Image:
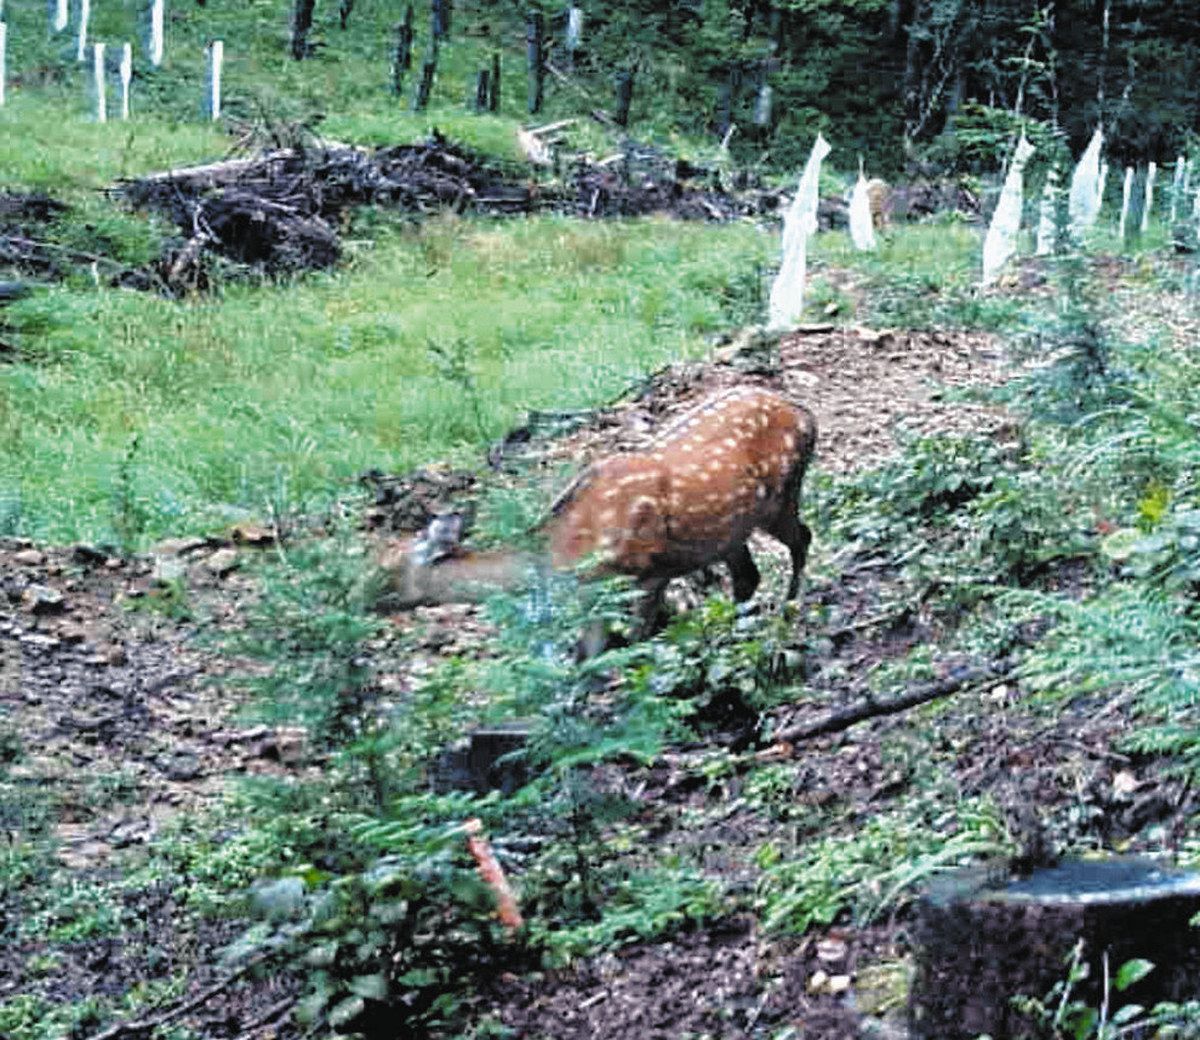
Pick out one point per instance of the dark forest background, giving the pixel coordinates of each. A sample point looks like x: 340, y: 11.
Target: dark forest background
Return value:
x: 907, y: 83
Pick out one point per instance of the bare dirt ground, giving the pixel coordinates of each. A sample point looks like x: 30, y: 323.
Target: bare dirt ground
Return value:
x: 124, y: 721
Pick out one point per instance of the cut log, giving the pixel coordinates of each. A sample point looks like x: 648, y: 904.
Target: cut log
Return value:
x: 982, y: 941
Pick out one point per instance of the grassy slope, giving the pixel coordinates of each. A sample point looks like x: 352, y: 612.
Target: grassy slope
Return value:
x: 286, y: 390
x: 281, y: 391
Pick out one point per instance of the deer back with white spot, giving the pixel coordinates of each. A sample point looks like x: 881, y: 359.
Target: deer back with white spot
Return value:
x: 732, y: 464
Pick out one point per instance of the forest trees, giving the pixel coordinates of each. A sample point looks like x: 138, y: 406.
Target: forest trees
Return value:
x: 895, y: 80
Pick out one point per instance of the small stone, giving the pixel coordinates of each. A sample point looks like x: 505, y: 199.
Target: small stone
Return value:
x: 88, y: 554
x: 168, y: 569
x: 179, y: 546
x: 838, y: 984
x: 114, y: 563
x: 115, y: 655
x: 831, y: 951
x: 817, y: 981
x: 284, y: 745
x: 29, y: 558
x: 38, y: 642
x: 182, y: 766
x: 41, y: 599
x: 1124, y: 783
x: 251, y: 534
x: 69, y: 632
x: 222, y: 562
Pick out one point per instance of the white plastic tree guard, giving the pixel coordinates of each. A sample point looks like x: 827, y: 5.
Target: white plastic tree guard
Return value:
x: 1001, y: 241
x: 1046, y: 225
x: 216, y: 59
x: 862, y: 230
x: 1083, y: 201
x: 1177, y: 187
x: 156, y: 32
x: 98, y: 77
x: 1151, y: 174
x: 574, y: 28
x: 1126, y: 194
x: 85, y: 14
x: 61, y: 15
x: 800, y: 220
x: 126, y: 77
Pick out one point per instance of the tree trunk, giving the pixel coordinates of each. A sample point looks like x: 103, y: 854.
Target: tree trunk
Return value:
x: 439, y: 18
x: 302, y: 19
x: 345, y: 8
x: 726, y: 100
x: 535, y: 59
x: 480, y: 102
x: 912, y: 76
x: 402, y: 50
x: 494, y: 84
x: 425, y: 85
x: 624, y: 97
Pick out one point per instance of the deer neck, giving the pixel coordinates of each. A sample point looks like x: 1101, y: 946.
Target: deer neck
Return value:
x: 474, y: 577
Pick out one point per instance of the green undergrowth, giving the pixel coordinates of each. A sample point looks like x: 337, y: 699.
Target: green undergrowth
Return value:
x: 1065, y: 546
x: 918, y: 276
x: 343, y: 90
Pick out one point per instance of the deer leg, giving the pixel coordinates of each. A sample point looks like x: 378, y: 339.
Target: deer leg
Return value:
x: 797, y: 536
x: 744, y: 573
x: 649, y: 610
x: 593, y: 641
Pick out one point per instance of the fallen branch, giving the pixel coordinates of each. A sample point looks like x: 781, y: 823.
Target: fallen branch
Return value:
x: 275, y: 1011
x: 188, y: 255
x: 217, y: 173
x: 977, y: 677
x: 146, y: 1025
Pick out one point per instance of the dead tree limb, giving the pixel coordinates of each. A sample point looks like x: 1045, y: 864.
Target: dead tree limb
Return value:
x: 975, y: 677
x: 147, y: 1025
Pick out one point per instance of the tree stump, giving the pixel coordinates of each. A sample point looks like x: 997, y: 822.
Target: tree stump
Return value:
x: 479, y: 761
x: 487, y: 764
x: 981, y: 942
x: 425, y: 84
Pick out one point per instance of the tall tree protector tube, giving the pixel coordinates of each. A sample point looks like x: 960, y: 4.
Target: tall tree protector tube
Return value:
x: 1083, y: 204
x: 800, y: 221
x: 1046, y: 226
x: 1001, y: 241
x: 1126, y: 194
x: 1151, y: 175
x: 862, y: 233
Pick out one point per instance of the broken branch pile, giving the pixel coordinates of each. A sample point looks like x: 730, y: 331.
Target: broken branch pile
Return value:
x: 282, y: 210
x: 642, y: 179
x: 23, y: 247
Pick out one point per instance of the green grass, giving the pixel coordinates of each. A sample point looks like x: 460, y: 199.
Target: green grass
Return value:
x: 282, y: 393
x: 48, y: 137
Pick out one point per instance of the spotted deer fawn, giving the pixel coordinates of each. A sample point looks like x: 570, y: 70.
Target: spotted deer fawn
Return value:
x: 879, y: 197
x: 732, y: 464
